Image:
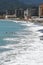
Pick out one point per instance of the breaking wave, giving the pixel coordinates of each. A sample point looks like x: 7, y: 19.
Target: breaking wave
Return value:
x: 24, y: 47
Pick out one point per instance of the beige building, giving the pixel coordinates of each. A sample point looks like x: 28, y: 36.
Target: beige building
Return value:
x: 41, y: 10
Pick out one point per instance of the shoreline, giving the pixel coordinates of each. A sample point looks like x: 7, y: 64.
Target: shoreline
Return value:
x: 14, y: 20
x: 33, y: 20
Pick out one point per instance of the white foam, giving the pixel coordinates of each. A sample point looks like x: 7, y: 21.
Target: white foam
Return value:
x: 10, y: 39
x: 29, y: 51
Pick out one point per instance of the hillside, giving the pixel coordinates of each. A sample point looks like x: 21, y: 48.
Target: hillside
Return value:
x: 32, y: 2
x: 10, y: 4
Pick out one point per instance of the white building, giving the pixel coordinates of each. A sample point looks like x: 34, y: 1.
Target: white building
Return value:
x: 27, y: 13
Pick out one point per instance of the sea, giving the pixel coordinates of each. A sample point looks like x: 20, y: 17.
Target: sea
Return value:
x: 21, y: 43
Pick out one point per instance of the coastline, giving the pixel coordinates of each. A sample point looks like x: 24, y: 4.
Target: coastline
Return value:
x: 32, y: 20
x: 14, y: 20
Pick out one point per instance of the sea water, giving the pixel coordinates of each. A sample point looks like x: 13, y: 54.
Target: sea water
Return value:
x: 21, y: 43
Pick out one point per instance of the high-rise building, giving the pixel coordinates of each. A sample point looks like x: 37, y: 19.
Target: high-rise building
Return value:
x: 19, y: 13
x: 41, y: 10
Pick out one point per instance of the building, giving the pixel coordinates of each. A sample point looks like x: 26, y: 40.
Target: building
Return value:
x: 19, y: 13
x: 41, y: 10
x: 10, y: 14
x: 2, y: 14
x: 34, y: 11
x: 27, y: 13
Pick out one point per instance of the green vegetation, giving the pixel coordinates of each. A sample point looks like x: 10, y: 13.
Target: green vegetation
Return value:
x: 13, y: 4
